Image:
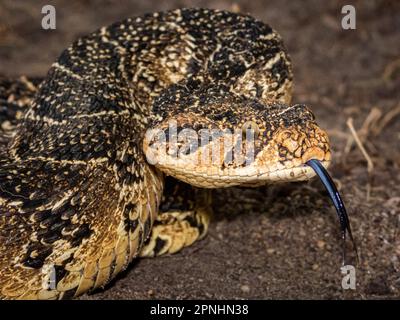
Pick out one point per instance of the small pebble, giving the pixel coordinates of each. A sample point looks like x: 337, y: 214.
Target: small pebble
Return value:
x: 321, y: 244
x: 245, y: 288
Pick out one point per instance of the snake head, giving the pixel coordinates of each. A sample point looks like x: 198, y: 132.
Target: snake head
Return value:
x: 230, y: 140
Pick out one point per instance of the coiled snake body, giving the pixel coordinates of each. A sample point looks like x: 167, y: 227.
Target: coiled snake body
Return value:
x: 78, y: 195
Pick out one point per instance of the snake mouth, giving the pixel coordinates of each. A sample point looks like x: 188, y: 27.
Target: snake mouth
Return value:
x: 291, y: 174
x: 250, y: 176
x: 337, y: 201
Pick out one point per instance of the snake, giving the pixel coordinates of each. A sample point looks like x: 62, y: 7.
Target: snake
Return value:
x: 87, y: 184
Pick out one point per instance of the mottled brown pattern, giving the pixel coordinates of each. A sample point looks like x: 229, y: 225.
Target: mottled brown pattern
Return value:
x: 76, y: 191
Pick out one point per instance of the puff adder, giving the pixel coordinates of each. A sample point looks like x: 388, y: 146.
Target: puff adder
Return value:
x: 77, y: 193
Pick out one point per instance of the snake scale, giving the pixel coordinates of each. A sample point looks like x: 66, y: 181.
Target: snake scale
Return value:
x: 78, y: 196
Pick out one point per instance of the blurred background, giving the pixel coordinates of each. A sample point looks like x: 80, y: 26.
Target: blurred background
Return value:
x: 279, y: 241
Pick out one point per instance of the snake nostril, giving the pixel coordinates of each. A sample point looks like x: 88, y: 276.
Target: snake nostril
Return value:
x: 313, y: 153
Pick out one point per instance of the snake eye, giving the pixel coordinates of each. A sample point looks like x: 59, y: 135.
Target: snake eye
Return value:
x: 250, y: 125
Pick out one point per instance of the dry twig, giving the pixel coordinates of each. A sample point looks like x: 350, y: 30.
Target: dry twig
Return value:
x: 376, y: 130
x: 370, y: 167
x: 390, y: 69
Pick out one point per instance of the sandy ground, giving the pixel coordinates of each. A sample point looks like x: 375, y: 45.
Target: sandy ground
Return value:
x: 280, y: 241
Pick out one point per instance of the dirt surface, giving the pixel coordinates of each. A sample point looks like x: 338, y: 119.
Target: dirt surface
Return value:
x: 280, y: 241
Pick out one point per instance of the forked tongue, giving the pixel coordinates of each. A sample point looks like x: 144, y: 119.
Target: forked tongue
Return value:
x: 337, y: 202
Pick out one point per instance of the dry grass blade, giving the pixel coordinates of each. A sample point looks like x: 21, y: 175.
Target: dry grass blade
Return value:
x: 353, y: 131
x: 377, y: 129
x: 390, y: 69
x: 370, y: 121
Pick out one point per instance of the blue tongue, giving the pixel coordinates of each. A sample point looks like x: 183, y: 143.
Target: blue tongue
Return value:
x: 337, y: 202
